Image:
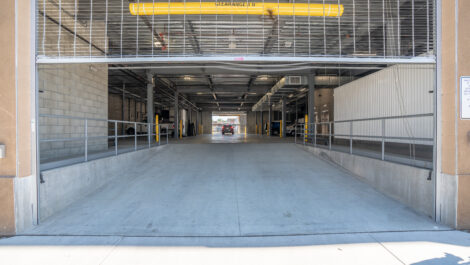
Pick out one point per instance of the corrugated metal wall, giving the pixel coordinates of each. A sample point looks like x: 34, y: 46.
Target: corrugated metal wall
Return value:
x: 395, y: 91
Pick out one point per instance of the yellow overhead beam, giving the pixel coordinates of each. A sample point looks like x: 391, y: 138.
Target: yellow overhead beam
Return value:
x: 236, y: 8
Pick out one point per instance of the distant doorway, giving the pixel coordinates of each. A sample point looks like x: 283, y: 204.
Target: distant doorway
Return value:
x: 235, y: 119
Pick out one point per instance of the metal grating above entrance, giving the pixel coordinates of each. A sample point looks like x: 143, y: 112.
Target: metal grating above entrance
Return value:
x: 107, y: 31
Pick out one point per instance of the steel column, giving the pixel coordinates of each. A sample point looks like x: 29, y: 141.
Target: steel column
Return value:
x: 311, y: 99
x: 269, y: 117
x: 177, y: 114
x: 123, y: 106
x: 283, y: 118
x: 150, y: 95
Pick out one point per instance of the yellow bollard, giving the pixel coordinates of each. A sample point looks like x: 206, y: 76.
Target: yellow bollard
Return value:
x: 280, y: 129
x: 306, y: 128
x: 181, y: 129
x: 157, y: 129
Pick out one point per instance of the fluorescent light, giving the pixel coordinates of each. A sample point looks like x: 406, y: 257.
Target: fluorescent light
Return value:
x: 187, y: 77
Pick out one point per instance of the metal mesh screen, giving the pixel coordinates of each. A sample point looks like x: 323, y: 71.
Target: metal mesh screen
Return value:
x: 106, y: 28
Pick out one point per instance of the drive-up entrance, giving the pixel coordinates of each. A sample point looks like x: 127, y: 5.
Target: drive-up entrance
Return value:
x: 118, y: 82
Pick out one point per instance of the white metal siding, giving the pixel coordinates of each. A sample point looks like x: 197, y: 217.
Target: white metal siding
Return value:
x: 395, y: 91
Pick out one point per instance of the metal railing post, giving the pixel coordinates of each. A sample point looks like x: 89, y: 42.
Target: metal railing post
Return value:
x: 115, y: 139
x: 315, y: 134
x: 86, y: 140
x: 329, y: 135
x: 350, y: 137
x: 295, y: 132
x: 383, y: 139
x: 149, y: 126
x: 135, y: 136
x: 159, y: 135
x: 304, y: 132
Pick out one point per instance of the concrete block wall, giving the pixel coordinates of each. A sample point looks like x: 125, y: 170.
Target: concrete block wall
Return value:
x: 207, y: 122
x: 250, y: 122
x: 78, y: 90
x: 134, y: 110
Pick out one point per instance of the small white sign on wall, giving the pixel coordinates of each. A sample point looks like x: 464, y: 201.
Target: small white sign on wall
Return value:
x: 465, y: 97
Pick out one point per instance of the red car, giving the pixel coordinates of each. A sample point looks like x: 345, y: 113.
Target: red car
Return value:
x: 227, y: 129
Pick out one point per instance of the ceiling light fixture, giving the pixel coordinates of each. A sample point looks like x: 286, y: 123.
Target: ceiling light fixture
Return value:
x: 187, y: 77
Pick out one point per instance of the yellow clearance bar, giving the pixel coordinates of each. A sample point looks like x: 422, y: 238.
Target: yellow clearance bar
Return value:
x: 236, y: 8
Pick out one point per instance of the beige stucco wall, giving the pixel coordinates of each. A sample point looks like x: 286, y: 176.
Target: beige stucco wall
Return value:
x: 16, y: 109
x: 455, y: 155
x: 7, y: 89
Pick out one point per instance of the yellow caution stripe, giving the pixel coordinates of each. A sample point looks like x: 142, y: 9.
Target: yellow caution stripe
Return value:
x: 236, y: 8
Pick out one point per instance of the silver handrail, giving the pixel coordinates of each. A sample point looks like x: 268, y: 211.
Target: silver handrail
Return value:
x: 150, y: 132
x: 311, y: 135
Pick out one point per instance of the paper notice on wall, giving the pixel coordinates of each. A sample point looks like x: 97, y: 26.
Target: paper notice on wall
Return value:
x: 465, y: 97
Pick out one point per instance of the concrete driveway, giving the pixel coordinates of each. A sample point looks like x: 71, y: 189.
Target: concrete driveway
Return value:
x: 225, y: 189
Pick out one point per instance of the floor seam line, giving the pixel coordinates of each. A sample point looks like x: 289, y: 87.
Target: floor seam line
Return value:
x: 388, y: 250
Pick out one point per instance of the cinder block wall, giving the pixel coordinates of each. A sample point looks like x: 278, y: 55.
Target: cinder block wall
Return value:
x: 134, y: 110
x: 78, y: 90
x: 207, y: 122
x: 250, y: 122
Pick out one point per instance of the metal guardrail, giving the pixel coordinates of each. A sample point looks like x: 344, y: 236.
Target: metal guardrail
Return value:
x: 310, y: 136
x: 150, y: 133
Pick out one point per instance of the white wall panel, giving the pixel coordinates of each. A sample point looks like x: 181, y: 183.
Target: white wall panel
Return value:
x: 395, y: 91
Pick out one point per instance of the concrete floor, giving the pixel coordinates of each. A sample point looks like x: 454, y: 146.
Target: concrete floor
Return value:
x: 261, y: 187
x: 253, y: 203
x: 414, y: 248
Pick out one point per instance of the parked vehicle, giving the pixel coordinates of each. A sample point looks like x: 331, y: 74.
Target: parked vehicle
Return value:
x: 290, y: 129
x: 227, y: 129
x: 142, y: 129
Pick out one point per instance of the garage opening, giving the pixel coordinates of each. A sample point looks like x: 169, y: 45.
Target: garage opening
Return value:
x: 234, y: 122
x: 131, y: 106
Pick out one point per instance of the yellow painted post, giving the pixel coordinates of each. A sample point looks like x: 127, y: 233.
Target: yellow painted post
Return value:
x: 181, y: 129
x: 280, y: 129
x: 306, y: 128
x: 157, y: 129
x: 245, y: 130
